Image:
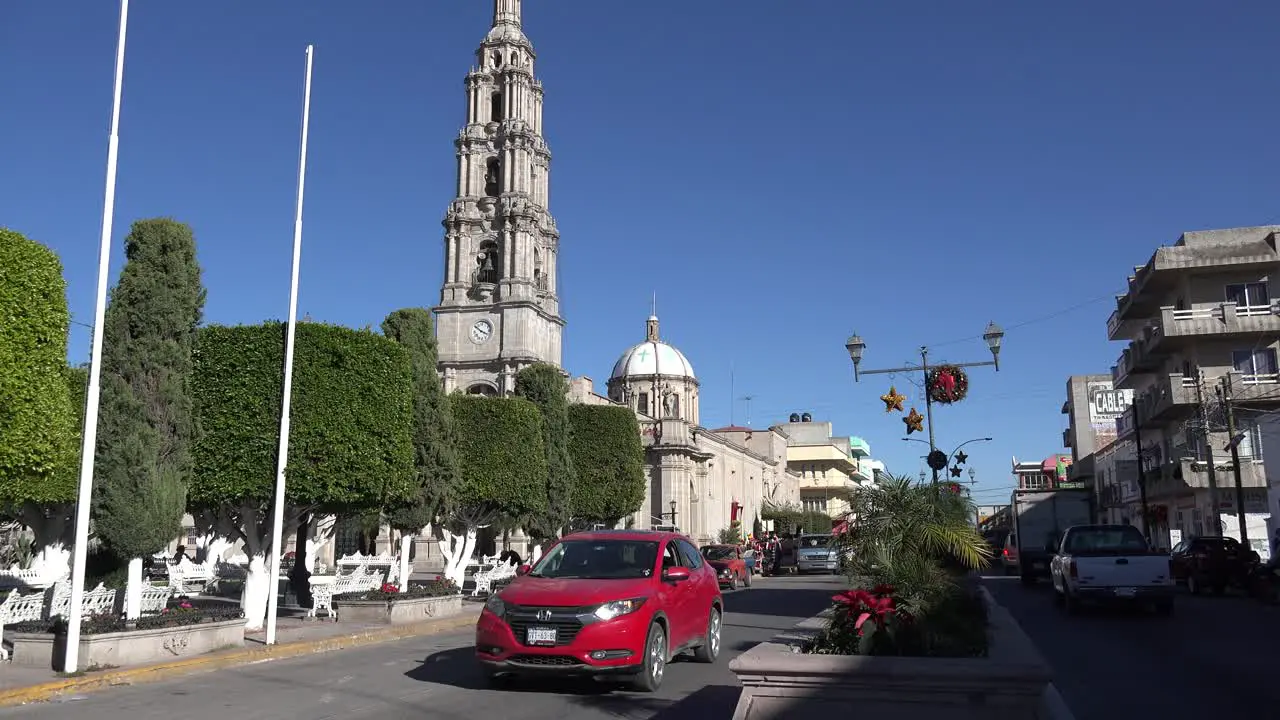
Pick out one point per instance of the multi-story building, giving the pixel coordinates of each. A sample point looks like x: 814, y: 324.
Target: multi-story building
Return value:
x: 828, y: 466
x: 1199, y: 320
x: 1033, y: 475
x: 1092, y: 407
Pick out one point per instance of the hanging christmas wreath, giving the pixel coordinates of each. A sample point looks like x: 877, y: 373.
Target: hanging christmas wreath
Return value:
x: 948, y: 384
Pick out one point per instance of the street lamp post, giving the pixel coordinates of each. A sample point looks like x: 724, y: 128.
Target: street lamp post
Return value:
x: 672, y: 505
x: 993, y: 335
x: 933, y: 452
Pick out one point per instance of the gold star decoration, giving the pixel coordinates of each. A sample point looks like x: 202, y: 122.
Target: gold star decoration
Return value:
x: 892, y: 400
x: 914, y: 421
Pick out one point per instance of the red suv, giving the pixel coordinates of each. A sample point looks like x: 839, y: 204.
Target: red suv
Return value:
x: 607, y: 603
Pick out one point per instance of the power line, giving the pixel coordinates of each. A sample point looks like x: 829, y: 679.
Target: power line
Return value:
x: 1033, y: 321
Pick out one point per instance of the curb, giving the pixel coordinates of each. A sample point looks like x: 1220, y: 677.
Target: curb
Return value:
x: 231, y: 658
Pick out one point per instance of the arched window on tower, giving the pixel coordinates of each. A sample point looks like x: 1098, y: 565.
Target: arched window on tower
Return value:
x: 492, y: 177
x: 495, y: 107
x: 488, y: 260
x: 539, y: 279
x: 497, y: 59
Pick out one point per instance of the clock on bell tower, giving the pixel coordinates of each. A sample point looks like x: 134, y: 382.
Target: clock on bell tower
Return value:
x: 499, y: 310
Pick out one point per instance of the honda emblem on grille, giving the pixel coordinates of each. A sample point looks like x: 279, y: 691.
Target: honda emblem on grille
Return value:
x: 544, y: 615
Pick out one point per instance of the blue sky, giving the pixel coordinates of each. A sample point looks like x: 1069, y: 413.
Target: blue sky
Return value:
x: 786, y: 173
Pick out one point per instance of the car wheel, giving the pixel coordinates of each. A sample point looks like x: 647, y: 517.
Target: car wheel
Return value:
x: 709, y: 650
x: 655, y: 660
x: 733, y: 582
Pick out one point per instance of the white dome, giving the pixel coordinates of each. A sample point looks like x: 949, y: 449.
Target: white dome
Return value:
x: 652, y: 358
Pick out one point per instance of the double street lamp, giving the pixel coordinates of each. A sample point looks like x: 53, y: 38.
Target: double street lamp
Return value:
x: 938, y: 460
x: 993, y: 336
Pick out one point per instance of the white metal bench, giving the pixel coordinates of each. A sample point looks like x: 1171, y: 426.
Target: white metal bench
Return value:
x: 154, y: 599
x: 187, y: 577
x: 360, y: 581
x: 18, y: 608
x: 486, y: 579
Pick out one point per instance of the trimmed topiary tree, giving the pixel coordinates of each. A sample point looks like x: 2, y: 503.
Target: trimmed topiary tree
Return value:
x: 146, y: 425
x: 503, y: 471
x: 609, y: 460
x: 435, y: 459
x: 545, y: 386
x: 350, y: 442
x: 38, y: 433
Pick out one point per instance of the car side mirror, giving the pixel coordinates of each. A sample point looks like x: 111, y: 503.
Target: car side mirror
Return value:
x: 676, y: 574
x: 523, y: 570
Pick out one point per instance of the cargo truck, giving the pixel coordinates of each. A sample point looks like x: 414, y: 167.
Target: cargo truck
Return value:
x: 1039, y: 519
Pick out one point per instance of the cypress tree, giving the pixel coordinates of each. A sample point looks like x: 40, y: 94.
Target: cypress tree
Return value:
x: 147, y: 426
x: 545, y: 387
x: 435, y: 459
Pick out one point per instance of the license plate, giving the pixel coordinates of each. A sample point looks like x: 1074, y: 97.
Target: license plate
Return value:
x: 540, y: 636
x: 1037, y: 566
x: 1126, y: 592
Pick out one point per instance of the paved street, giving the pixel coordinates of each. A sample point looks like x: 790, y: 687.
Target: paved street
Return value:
x: 435, y: 677
x: 1214, y: 658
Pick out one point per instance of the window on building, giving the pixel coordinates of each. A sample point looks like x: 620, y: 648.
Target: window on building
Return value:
x: 492, y: 177
x: 642, y: 403
x: 1249, y: 295
x: 1257, y: 365
x: 495, y: 107
x: 1251, y: 444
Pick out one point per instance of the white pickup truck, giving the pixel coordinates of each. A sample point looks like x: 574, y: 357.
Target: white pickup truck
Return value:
x: 1110, y: 564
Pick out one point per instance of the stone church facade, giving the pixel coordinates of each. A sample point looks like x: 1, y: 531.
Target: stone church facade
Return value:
x: 499, y: 312
x: 499, y: 308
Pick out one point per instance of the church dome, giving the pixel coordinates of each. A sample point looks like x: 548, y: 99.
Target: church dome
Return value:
x: 652, y: 357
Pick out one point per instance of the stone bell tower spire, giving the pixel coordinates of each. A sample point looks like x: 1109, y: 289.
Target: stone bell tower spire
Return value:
x: 506, y: 12
x: 499, y: 304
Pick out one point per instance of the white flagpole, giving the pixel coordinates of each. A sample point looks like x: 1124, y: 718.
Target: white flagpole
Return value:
x: 282, y: 455
x: 89, y: 438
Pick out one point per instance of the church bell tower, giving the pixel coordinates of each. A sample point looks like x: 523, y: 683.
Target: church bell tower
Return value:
x: 499, y: 310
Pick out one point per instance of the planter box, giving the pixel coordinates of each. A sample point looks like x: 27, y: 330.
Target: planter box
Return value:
x: 1013, y: 682
x: 128, y: 647
x: 397, y: 612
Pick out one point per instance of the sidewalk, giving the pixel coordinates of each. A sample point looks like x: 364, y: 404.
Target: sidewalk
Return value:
x: 295, y: 636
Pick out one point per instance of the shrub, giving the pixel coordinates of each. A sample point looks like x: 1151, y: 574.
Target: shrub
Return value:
x: 440, y: 587
x: 608, y: 460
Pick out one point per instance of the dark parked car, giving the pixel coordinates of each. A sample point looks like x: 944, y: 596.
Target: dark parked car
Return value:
x: 1213, y: 562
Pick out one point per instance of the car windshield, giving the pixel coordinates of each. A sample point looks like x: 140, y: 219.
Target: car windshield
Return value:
x: 598, y: 560
x: 1107, y: 541
x: 718, y: 552
x: 815, y: 541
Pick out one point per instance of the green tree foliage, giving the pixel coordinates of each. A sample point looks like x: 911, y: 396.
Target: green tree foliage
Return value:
x: 501, y: 459
x: 732, y: 535
x: 435, y: 460
x: 913, y: 537
x: 545, y: 386
x: 350, y: 441
x: 37, y: 425
x: 609, y: 460
x: 146, y: 427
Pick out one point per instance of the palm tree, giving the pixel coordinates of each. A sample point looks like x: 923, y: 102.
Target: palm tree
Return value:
x: 919, y: 538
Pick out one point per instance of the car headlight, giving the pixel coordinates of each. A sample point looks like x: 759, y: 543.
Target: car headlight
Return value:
x: 495, y: 605
x: 618, y: 608
x: 724, y: 571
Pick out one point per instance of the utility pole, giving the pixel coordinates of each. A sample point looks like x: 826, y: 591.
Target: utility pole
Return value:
x: 1234, y: 443
x: 1215, y: 517
x: 1142, y: 474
